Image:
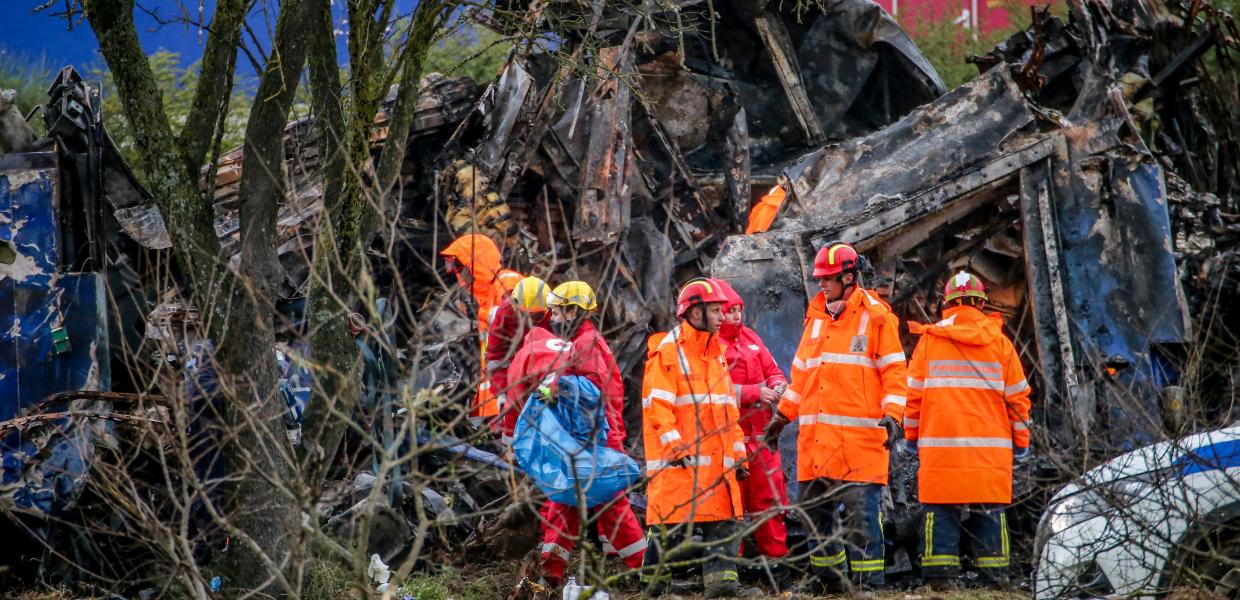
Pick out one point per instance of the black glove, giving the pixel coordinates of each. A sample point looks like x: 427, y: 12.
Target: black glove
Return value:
x: 894, y: 431
x: 742, y: 473
x: 770, y: 437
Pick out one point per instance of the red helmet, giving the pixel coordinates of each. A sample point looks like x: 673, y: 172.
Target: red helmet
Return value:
x: 698, y: 291
x: 835, y: 258
x: 964, y: 285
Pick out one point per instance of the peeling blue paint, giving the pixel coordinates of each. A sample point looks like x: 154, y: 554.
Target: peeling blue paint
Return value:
x: 37, y: 296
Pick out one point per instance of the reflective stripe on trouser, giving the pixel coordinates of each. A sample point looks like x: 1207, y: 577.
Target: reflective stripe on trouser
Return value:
x: 722, y: 545
x: 943, y: 526
x: 853, y: 538
x: 618, y: 529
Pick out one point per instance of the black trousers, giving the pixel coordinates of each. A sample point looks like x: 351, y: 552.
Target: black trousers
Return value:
x: 846, y: 533
x: 670, y: 546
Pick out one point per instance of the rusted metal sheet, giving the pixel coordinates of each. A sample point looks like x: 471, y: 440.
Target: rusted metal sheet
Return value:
x: 603, y: 205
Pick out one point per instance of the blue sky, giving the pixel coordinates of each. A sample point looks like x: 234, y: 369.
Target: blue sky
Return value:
x: 33, y: 35
x: 41, y: 34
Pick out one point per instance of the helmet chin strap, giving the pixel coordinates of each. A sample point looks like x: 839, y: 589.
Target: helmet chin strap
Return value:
x: 568, y: 327
x: 844, y: 287
x: 700, y: 325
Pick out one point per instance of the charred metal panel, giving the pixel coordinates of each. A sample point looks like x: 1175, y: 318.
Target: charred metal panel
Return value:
x: 504, y: 98
x: 771, y: 27
x: 738, y: 174
x: 847, y: 183
x: 603, y: 205
x: 771, y: 272
x: 1062, y: 395
x: 861, y: 70
x: 1122, y: 289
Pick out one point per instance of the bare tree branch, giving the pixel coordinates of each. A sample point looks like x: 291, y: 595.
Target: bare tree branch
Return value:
x: 219, y: 58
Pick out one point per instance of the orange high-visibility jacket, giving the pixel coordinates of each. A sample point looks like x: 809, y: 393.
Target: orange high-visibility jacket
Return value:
x: 762, y: 215
x: 689, y: 412
x: 968, y: 405
x: 848, y: 373
x: 490, y: 286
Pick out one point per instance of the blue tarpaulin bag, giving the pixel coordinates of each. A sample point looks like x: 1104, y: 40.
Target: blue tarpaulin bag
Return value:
x: 561, y: 446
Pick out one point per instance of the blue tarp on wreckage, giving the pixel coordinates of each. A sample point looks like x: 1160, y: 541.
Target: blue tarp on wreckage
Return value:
x: 53, y: 337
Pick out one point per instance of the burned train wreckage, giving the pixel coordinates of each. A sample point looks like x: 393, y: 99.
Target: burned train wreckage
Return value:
x: 1089, y: 175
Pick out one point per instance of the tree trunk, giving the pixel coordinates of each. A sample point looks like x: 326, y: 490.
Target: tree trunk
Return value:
x: 263, y: 507
x: 339, y: 263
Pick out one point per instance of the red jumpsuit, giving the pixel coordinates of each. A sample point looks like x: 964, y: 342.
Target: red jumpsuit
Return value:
x: 504, y: 339
x: 587, y: 355
x: 752, y: 367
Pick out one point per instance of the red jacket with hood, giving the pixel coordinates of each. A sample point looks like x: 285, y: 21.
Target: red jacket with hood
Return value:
x: 751, y: 366
x: 587, y: 355
x: 504, y: 339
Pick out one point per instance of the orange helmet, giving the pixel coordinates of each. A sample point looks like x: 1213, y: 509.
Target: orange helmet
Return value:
x: 835, y: 258
x: 701, y: 290
x: 964, y: 285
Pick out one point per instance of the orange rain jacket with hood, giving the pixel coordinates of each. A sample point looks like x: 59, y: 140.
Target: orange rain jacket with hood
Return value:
x: 691, y: 429
x: 848, y: 373
x: 968, y: 405
x: 490, y: 285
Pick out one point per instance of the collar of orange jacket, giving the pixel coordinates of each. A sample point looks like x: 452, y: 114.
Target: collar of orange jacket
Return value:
x: 696, y: 344
x: 818, y: 306
x: 964, y: 324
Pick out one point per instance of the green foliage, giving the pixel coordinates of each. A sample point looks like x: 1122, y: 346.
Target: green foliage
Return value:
x: 177, y: 85
x: 30, y: 76
x: 327, y: 579
x: 422, y: 588
x: 947, y: 44
x: 469, y: 50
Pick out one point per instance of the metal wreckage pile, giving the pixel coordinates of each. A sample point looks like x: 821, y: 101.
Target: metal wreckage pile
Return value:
x: 1091, y: 174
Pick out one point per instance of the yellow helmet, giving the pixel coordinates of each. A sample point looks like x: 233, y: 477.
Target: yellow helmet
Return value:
x: 530, y: 294
x: 573, y: 293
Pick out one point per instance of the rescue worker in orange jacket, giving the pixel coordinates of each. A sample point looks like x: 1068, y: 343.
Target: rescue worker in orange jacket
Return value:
x: 967, y: 419
x: 758, y: 384
x: 848, y: 395
x: 475, y: 261
x: 695, y: 449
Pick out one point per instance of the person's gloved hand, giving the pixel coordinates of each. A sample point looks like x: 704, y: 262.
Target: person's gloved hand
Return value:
x: 770, y: 437
x: 894, y: 431
x: 742, y: 473
x: 1020, y: 455
x: 544, y: 392
x: 679, y: 453
x: 910, y: 446
x: 768, y: 395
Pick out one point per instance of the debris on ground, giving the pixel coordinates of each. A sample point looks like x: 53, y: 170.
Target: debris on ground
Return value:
x: 1090, y: 174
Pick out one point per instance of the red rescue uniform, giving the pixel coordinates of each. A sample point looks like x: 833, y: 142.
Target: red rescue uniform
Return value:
x: 543, y: 355
x: 504, y: 339
x: 764, y: 492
